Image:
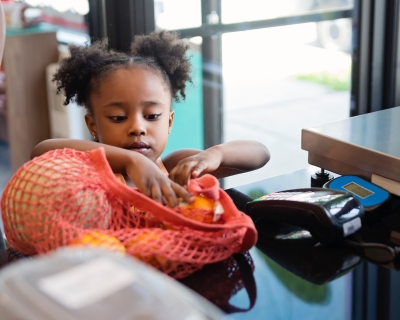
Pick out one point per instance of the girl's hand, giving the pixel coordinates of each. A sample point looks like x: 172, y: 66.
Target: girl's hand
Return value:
x: 192, y: 167
x: 144, y: 173
x: 152, y: 182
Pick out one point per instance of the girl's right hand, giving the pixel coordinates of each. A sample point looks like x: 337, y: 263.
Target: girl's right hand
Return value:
x: 152, y: 182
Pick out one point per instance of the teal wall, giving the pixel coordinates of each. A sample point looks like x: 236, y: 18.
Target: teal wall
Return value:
x: 187, y: 131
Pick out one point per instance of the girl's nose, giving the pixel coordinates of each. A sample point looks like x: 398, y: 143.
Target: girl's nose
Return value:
x: 137, y: 127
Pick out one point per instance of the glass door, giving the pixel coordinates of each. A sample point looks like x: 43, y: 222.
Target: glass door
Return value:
x: 281, y: 79
x: 268, y: 69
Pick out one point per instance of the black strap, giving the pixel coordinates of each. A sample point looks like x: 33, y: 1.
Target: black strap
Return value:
x: 246, y: 273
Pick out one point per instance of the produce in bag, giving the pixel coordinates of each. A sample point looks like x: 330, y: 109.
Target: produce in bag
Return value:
x: 64, y: 194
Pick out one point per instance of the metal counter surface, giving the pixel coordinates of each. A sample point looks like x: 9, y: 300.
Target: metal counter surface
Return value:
x: 360, y: 145
x: 377, y: 131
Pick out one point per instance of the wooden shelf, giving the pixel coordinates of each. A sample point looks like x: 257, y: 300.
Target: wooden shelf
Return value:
x: 26, y: 56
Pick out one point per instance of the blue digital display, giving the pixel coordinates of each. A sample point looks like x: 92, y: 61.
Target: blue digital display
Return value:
x: 369, y: 195
x: 358, y: 190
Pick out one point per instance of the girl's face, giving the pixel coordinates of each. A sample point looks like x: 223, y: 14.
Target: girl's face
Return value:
x: 132, y: 110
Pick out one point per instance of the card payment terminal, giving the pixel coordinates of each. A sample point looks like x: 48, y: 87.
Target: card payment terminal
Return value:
x: 329, y: 215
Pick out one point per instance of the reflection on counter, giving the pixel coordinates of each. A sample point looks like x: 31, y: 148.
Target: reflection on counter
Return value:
x: 295, y: 250
x: 302, y: 289
x: 220, y: 281
x: 379, y: 242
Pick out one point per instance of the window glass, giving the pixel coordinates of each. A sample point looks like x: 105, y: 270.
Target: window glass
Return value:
x: 177, y: 14
x: 277, y: 81
x: 250, y: 10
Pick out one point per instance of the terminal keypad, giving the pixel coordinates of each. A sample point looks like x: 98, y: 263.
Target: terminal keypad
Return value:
x: 280, y: 195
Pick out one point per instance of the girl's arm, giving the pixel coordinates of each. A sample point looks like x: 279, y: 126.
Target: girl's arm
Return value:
x: 117, y: 157
x: 144, y: 173
x: 221, y: 160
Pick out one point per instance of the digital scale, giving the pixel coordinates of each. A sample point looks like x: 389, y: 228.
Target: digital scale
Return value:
x: 367, y: 146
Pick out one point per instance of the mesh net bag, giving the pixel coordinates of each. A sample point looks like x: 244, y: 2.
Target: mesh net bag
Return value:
x: 65, y: 195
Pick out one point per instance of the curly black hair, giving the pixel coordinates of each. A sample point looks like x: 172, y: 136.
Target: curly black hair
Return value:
x: 162, y: 52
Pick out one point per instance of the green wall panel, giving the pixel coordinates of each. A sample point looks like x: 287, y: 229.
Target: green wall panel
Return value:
x: 187, y: 131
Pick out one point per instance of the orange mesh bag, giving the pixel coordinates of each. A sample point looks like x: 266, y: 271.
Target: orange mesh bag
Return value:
x: 64, y: 195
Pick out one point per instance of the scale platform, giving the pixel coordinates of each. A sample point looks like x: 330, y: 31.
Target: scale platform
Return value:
x: 367, y: 146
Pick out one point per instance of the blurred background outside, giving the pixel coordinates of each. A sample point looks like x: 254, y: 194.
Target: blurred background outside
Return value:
x: 266, y: 84
x: 274, y: 81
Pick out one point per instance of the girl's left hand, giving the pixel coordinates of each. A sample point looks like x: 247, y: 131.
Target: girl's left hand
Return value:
x: 192, y: 167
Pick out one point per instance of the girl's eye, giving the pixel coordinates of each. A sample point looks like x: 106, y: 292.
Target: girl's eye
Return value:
x: 152, y: 117
x: 118, y: 118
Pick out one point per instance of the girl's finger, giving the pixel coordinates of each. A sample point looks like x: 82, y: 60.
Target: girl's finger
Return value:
x: 181, y: 192
x: 156, y: 193
x: 169, y: 196
x: 179, y: 176
x: 193, y: 171
x: 173, y: 174
x: 197, y: 171
x: 144, y: 190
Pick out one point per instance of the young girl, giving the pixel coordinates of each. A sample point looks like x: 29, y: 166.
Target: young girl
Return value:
x: 128, y: 98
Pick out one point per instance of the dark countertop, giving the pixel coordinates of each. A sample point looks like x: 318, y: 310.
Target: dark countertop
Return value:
x: 299, y: 278
x: 272, y: 291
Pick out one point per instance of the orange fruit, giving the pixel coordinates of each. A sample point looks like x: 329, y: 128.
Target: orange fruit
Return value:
x: 202, y: 209
x: 142, y: 240
x: 120, y: 177
x: 200, y: 203
x: 98, y: 239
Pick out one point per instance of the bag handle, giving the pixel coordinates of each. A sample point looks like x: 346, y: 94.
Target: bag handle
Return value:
x: 246, y: 273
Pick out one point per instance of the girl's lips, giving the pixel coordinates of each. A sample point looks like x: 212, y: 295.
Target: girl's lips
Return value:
x: 138, y: 144
x: 140, y: 147
x: 140, y: 150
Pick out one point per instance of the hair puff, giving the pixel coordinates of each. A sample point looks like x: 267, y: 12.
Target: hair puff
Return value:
x: 170, y: 54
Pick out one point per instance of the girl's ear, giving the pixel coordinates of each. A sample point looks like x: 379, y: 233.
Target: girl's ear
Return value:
x: 91, y: 125
x: 171, y: 120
